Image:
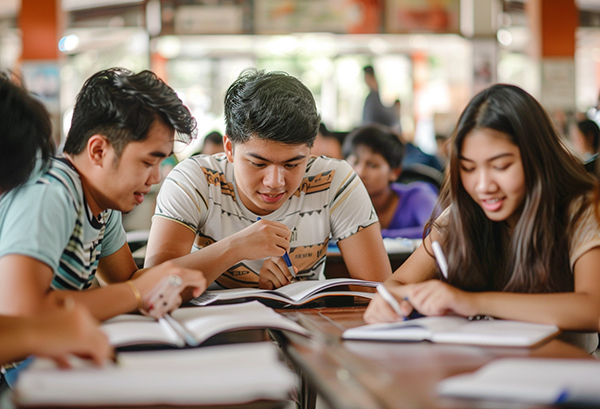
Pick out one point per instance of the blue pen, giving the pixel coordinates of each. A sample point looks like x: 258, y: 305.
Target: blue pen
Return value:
x: 286, y: 258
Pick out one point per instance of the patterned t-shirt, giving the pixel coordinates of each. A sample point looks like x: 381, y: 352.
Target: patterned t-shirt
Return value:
x: 330, y: 203
x: 48, y: 219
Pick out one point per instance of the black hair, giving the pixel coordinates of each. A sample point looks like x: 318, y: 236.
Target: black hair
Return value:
x: 534, y: 256
x: 369, y: 70
x: 591, y: 132
x: 323, y: 130
x: 122, y: 106
x: 25, y: 134
x: 379, y: 139
x: 214, y: 137
x: 270, y: 105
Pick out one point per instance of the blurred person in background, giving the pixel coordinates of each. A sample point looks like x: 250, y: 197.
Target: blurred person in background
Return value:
x: 375, y: 153
x: 213, y: 143
x: 585, y: 136
x: 327, y: 144
x: 374, y: 112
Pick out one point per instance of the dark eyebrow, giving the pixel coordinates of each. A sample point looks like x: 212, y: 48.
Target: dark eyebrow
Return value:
x: 502, y: 155
x: 257, y: 156
x: 159, y: 154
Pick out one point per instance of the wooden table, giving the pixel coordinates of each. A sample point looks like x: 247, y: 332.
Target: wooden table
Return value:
x: 363, y: 374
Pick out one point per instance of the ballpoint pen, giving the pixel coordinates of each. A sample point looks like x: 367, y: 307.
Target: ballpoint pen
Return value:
x: 389, y: 298
x: 181, y: 330
x: 286, y: 258
x: 440, y: 258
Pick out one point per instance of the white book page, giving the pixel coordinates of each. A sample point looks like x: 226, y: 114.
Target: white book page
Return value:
x: 228, y: 374
x: 497, y: 332
x: 131, y: 329
x: 204, y: 322
x: 411, y: 330
x: 530, y: 380
x: 295, y: 292
x: 303, y: 289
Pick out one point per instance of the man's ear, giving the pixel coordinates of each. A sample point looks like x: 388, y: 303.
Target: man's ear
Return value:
x: 228, y: 146
x: 395, y: 173
x: 97, y: 149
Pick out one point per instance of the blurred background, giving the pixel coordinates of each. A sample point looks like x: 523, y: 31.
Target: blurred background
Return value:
x: 432, y: 55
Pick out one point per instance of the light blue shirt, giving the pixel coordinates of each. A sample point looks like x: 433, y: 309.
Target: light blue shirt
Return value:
x: 49, y: 220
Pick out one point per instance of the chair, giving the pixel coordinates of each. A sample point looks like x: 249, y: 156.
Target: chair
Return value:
x: 417, y: 172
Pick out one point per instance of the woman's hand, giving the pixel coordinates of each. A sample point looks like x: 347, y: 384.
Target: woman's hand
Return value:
x: 434, y: 297
x: 380, y: 310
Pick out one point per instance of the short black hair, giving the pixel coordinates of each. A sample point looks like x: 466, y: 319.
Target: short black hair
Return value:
x: 368, y: 69
x: 122, y: 106
x: 270, y: 105
x: 214, y: 137
x: 25, y: 134
x: 591, y: 132
x: 380, y: 139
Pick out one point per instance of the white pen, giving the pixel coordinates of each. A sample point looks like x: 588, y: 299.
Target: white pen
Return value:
x: 389, y: 298
x: 440, y: 258
x: 172, y: 332
x: 181, y: 330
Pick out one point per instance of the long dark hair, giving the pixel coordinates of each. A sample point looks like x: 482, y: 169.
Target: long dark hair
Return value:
x: 25, y: 134
x: 483, y: 255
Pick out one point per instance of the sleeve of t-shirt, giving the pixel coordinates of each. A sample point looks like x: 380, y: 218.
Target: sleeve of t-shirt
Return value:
x: 350, y: 207
x: 114, y: 234
x: 37, y: 221
x: 585, y: 235
x: 420, y: 206
x: 181, y: 196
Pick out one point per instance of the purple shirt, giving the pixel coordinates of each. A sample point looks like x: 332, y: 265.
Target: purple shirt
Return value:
x: 417, y: 200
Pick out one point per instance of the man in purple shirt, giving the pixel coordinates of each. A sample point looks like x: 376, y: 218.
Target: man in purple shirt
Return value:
x: 375, y: 153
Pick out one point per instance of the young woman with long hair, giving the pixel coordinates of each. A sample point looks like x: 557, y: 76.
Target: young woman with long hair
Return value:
x: 520, y: 226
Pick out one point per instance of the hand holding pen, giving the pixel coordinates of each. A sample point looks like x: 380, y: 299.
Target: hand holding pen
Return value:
x: 277, y: 271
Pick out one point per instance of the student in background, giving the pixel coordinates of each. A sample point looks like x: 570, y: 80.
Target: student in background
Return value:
x: 213, y: 203
x: 327, y: 144
x: 585, y: 136
x: 63, y: 225
x: 213, y: 143
x: 403, y: 210
x: 58, y: 331
x: 522, y: 229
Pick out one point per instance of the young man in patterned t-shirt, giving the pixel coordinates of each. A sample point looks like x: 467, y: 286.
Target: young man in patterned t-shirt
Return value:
x: 239, y: 212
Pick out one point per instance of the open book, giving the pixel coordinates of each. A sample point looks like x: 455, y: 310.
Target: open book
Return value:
x: 456, y: 330
x: 199, y: 323
x: 529, y: 380
x: 214, y: 375
x: 297, y: 293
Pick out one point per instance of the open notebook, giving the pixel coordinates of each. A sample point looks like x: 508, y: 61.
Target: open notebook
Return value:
x: 214, y: 375
x: 200, y: 323
x: 456, y: 330
x: 529, y: 380
x: 297, y: 293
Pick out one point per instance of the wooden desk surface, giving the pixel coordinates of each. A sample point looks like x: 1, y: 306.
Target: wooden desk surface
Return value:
x: 363, y: 374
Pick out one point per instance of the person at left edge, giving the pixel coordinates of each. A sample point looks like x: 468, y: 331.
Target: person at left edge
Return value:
x: 63, y: 226
x: 211, y: 203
